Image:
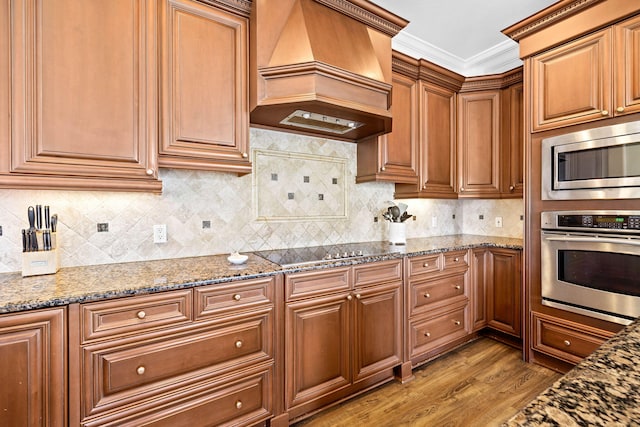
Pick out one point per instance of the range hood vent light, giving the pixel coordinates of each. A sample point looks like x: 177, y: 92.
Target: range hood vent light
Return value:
x: 307, y: 120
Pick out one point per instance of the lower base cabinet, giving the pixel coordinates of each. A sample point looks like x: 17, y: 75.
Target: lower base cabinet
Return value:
x: 33, y: 368
x: 343, y: 333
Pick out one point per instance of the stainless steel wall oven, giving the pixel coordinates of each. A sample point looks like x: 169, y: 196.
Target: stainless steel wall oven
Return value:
x: 599, y: 163
x: 590, y: 263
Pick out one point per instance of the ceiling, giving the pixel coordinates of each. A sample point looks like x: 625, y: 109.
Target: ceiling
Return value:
x: 462, y: 35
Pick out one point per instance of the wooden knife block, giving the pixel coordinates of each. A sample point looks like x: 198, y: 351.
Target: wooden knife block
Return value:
x: 42, y: 262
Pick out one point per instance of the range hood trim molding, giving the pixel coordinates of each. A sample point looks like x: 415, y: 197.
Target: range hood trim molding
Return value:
x: 389, y: 24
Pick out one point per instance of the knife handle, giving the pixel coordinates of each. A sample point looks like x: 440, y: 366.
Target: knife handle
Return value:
x: 24, y: 240
x: 47, y: 217
x: 54, y: 222
x: 31, y: 215
x: 39, y: 217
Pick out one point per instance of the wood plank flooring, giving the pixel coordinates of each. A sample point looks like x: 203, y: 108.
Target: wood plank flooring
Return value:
x: 480, y: 384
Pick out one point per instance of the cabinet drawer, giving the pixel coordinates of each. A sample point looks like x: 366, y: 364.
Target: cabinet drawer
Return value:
x: 438, y: 292
x: 565, y: 340
x: 243, y: 401
x: 424, y: 264
x: 455, y: 259
x: 120, y: 373
x: 135, y: 314
x: 435, y: 331
x: 377, y: 273
x: 224, y: 299
x: 306, y: 284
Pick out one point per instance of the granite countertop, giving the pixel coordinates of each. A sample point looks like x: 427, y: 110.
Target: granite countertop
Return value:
x: 603, y: 390
x: 98, y: 282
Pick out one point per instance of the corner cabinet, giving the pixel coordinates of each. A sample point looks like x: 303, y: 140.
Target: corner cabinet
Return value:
x: 588, y: 79
x: 33, y: 368
x: 204, y: 91
x: 343, y: 333
x: 82, y: 79
x: 391, y: 157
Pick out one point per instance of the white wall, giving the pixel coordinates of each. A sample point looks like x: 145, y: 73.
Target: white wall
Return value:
x: 190, y: 197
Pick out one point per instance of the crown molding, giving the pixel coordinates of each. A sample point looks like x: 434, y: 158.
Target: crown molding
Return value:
x: 497, y: 59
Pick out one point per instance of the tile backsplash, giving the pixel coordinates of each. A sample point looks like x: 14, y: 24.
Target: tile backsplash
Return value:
x: 211, y: 213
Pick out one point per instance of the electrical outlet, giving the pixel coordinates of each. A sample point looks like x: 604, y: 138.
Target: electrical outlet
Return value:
x: 434, y: 221
x: 499, y: 221
x: 415, y: 218
x: 0, y: 230
x: 103, y: 227
x: 160, y: 233
x: 375, y: 219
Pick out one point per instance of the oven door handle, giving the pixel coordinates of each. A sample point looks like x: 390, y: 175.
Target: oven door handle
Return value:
x: 594, y: 240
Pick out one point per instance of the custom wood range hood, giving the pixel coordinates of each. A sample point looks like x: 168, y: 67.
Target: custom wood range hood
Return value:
x: 322, y: 67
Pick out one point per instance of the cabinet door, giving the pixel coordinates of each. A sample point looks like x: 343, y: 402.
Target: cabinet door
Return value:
x: 479, y: 267
x: 512, y: 155
x: 377, y: 330
x: 33, y: 369
x: 479, y: 144
x: 572, y: 83
x: 437, y: 141
x: 627, y: 77
x: 503, y: 293
x: 83, y: 104
x: 393, y: 157
x: 205, y: 113
x: 317, y: 343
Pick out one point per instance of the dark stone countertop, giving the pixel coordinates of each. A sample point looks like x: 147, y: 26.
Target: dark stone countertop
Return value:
x: 98, y: 282
x: 602, y: 390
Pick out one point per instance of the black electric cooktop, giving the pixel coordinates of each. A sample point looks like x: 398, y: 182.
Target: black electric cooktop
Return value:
x: 316, y: 254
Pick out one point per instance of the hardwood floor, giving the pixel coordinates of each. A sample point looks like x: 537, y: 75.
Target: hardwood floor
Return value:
x: 482, y: 384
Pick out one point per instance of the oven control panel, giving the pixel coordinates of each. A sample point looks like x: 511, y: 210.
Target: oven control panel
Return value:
x: 625, y: 221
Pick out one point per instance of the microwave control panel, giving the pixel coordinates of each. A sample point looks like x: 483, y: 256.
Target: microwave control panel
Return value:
x: 595, y: 221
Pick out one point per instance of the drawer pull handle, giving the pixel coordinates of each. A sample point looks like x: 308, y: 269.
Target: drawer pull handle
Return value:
x: 426, y: 264
x: 237, y: 297
x: 456, y: 322
x: 427, y: 334
x: 427, y: 295
x: 239, y: 404
x: 149, y: 172
x: 238, y: 344
x: 245, y: 155
x: 567, y: 343
x: 141, y: 314
x: 620, y: 109
x: 512, y: 187
x: 456, y: 259
x: 141, y: 370
x: 457, y: 287
x: 605, y: 112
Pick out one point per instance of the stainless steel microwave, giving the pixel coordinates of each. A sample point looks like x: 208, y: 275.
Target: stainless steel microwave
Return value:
x: 599, y: 163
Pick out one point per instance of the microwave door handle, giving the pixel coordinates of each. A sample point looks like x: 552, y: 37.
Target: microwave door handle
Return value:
x: 594, y: 240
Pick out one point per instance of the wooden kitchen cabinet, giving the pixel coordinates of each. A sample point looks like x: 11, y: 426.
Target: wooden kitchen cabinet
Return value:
x: 437, y: 304
x: 33, y: 368
x: 587, y: 79
x: 343, y: 332
x: 512, y: 142
x: 83, y: 79
x: 186, y: 357
x: 479, y: 144
x: 204, y: 90
x: 436, y: 149
x: 392, y: 157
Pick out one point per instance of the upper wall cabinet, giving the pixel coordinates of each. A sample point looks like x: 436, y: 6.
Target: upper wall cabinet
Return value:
x: 591, y: 78
x: 392, y: 157
x: 512, y: 146
x: 82, y: 82
x: 204, y: 92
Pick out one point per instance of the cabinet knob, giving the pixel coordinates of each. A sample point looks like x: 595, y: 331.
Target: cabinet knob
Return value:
x: 604, y: 112
x: 426, y: 264
x: 382, y: 169
x: 238, y: 344
x: 427, y: 295
x: 239, y: 404
x: 424, y: 187
x: 456, y: 322
x: 567, y: 343
x: 349, y: 297
x: 245, y: 155
x: 458, y: 287
x: 427, y: 334
x: 461, y: 189
x: 149, y: 172
x: 358, y: 296
x: 140, y: 370
x: 620, y: 109
x: 141, y: 314
x: 237, y: 297
x: 456, y: 259
x: 512, y: 187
